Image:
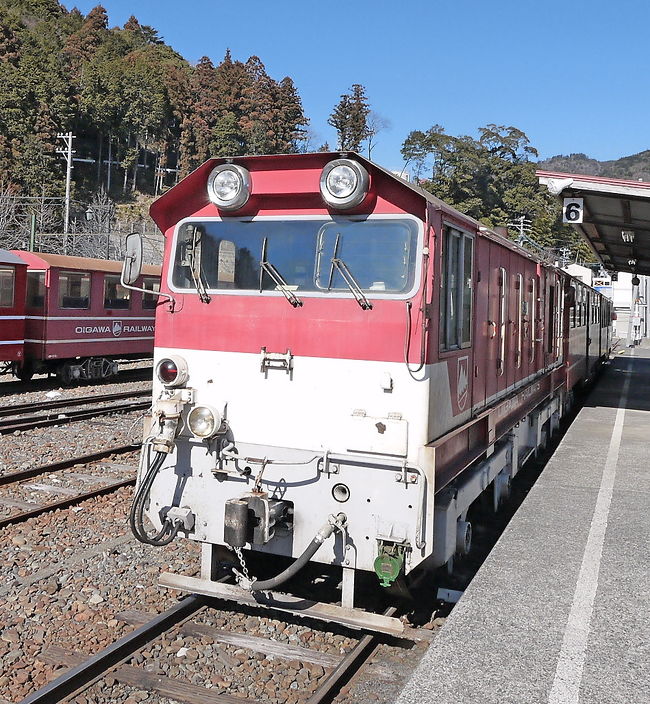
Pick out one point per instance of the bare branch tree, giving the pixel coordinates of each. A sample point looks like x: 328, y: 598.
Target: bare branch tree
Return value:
x: 375, y: 124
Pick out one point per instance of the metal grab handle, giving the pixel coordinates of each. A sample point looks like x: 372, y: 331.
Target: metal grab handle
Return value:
x: 493, y: 325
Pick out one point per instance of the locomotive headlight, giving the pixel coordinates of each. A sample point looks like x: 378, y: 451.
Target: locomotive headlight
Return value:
x: 172, y: 371
x: 344, y: 183
x: 203, y: 421
x: 229, y: 186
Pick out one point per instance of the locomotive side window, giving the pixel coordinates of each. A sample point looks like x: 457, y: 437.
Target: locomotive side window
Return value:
x: 456, y: 299
x: 7, y: 283
x: 74, y: 289
x: 503, y: 311
x: 573, y: 302
x: 519, y: 286
x: 533, y: 319
x: 116, y: 297
x: 35, y: 289
x: 149, y: 300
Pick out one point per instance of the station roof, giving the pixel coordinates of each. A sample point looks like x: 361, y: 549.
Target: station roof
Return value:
x: 616, y: 217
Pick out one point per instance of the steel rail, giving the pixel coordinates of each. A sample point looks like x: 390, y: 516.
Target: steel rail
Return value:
x: 13, y: 477
x: 46, y: 421
x: 122, y: 376
x: 66, y: 503
x: 21, y: 408
x: 329, y: 688
x: 84, y: 674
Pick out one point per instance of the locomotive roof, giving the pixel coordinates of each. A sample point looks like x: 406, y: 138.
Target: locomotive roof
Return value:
x: 186, y: 197
x: 61, y: 261
x: 7, y: 257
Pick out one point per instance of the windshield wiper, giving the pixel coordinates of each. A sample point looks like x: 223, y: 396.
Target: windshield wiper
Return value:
x: 194, y: 262
x: 266, y: 266
x: 349, y: 279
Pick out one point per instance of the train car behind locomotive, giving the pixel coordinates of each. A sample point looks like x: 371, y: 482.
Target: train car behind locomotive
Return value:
x: 12, y: 309
x: 80, y: 319
x: 345, y: 365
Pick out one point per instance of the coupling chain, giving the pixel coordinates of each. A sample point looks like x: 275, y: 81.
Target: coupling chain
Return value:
x: 243, y: 577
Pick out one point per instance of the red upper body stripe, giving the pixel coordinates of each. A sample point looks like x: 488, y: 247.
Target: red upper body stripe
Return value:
x: 335, y: 328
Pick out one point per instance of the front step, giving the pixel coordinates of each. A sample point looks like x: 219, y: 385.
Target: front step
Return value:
x: 352, y: 618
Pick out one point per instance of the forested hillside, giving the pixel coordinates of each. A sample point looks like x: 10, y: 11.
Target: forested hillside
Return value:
x: 143, y: 117
x: 125, y: 92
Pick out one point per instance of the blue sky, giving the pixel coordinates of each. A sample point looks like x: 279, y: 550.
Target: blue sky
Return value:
x: 566, y: 73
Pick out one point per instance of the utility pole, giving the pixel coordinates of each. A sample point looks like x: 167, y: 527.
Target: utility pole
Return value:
x: 67, y: 153
x: 523, y: 226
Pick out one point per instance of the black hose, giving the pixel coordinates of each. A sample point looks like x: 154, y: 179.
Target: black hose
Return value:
x: 294, y: 568
x: 168, y: 530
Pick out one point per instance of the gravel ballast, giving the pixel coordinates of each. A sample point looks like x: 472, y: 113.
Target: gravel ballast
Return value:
x: 67, y: 576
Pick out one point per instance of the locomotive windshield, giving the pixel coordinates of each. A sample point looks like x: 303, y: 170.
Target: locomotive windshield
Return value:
x: 379, y: 253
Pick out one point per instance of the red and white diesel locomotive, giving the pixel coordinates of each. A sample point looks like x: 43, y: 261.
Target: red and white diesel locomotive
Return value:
x: 344, y: 365
x: 71, y: 316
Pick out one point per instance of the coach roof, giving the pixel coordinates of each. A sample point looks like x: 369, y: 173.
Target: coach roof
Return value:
x: 60, y: 261
x: 7, y: 257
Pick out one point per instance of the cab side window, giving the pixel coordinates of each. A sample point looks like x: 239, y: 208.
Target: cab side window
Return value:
x: 456, y: 299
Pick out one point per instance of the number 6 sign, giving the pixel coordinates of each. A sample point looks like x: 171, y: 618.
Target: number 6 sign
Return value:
x: 573, y: 210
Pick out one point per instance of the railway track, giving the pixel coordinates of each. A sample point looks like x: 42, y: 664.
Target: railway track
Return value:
x: 71, y: 490
x: 28, y: 416
x: 114, y: 660
x: 8, y: 387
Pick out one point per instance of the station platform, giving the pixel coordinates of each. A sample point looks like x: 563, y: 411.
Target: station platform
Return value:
x: 559, y: 612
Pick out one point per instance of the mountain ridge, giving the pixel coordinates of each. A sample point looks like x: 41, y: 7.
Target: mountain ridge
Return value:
x: 635, y: 167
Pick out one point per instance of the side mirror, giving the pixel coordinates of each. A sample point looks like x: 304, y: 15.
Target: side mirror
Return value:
x: 132, y: 267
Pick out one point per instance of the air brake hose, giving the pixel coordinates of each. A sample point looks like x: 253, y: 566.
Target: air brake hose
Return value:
x: 136, y: 517
x: 323, y: 534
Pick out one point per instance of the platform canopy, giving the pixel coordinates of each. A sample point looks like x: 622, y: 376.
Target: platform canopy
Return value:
x: 612, y: 215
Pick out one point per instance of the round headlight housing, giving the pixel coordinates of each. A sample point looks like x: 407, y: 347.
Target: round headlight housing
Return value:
x: 229, y: 186
x: 203, y: 421
x: 172, y: 371
x: 344, y: 183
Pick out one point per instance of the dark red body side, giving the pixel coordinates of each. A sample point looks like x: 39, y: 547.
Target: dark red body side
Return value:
x: 12, y: 317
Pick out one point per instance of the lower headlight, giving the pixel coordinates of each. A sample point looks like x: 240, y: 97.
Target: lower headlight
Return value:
x: 203, y: 421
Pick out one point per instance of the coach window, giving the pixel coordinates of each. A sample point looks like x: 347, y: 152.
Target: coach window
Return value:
x: 149, y: 300
x: 456, y: 301
x: 35, y: 289
x: 74, y: 289
x: 7, y: 277
x: 116, y: 297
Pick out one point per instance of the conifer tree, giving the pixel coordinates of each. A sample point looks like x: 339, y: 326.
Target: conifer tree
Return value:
x: 350, y: 119
x: 83, y: 44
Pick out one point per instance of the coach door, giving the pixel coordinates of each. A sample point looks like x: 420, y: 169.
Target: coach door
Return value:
x: 497, y: 323
x: 482, y: 341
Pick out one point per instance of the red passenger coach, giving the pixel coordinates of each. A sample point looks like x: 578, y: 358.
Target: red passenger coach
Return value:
x: 80, y: 319
x: 12, y: 308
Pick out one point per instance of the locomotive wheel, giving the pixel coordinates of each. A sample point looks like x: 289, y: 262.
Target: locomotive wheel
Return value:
x: 64, y: 374
x: 25, y: 371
